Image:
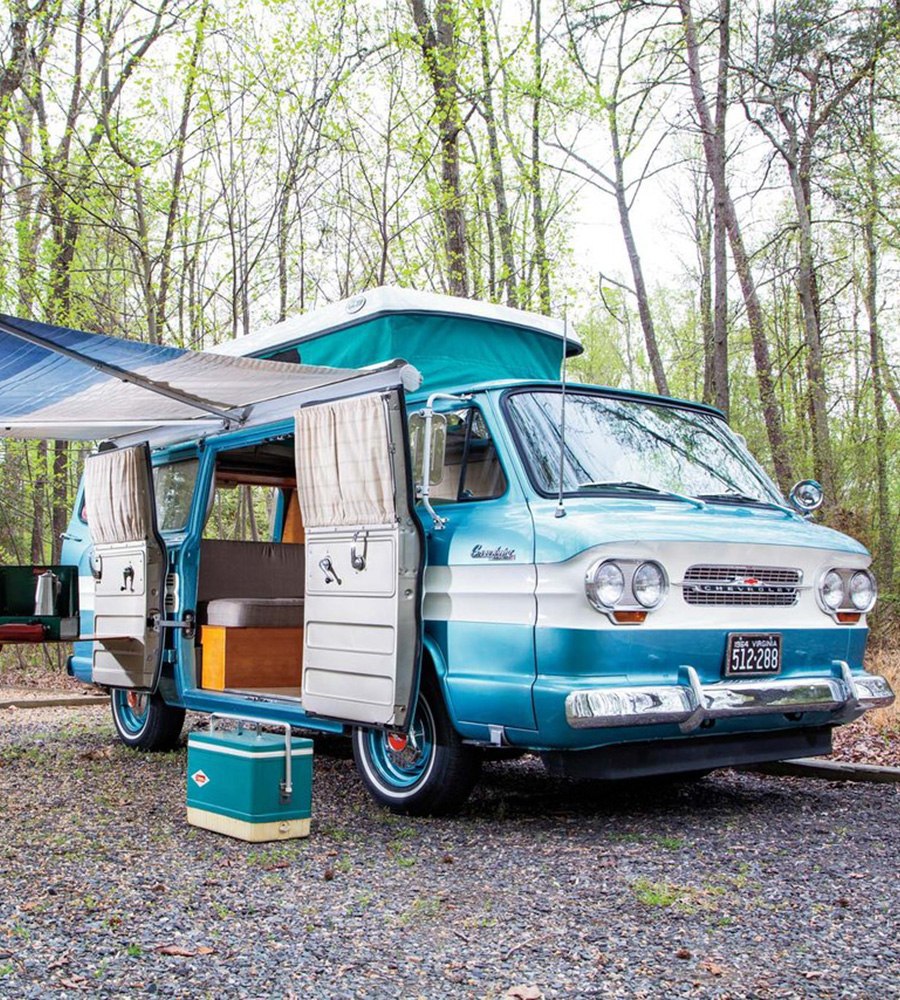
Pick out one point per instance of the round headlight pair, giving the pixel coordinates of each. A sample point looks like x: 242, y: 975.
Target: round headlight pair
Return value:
x: 848, y: 590
x: 624, y: 584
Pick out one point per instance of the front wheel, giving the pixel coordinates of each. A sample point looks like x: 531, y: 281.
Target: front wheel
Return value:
x: 144, y: 721
x: 426, y: 771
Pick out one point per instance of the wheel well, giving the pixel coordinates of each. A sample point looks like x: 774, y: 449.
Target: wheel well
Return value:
x: 435, y: 666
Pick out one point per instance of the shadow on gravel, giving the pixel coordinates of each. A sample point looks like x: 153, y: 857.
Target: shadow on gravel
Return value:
x: 521, y: 789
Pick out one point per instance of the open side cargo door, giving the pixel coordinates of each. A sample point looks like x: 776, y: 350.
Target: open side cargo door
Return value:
x: 364, y: 560
x: 129, y: 566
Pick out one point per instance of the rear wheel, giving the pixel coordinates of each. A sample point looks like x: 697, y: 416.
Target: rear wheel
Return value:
x: 144, y: 721
x: 426, y: 771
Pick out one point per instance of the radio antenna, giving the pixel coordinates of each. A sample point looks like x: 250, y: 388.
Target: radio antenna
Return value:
x: 560, y: 507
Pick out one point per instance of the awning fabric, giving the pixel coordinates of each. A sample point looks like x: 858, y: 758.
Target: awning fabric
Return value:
x: 69, y: 385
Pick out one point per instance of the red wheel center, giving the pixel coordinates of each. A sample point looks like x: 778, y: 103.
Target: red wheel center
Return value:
x: 134, y: 700
x: 397, y: 742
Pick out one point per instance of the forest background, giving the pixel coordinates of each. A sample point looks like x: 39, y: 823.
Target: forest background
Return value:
x: 707, y: 188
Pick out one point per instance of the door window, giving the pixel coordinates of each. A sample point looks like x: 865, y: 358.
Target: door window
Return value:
x: 174, y: 484
x: 472, y: 469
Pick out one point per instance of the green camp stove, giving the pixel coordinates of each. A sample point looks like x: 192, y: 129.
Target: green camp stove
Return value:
x: 247, y: 783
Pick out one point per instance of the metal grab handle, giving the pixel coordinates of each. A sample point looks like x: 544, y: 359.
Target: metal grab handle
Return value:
x: 357, y: 561
x: 287, y: 787
x: 327, y: 568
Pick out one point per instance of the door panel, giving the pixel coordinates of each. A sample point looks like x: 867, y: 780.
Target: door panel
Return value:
x: 362, y: 611
x: 129, y: 564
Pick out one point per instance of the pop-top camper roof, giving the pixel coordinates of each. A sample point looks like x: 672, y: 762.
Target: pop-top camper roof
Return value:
x: 452, y: 341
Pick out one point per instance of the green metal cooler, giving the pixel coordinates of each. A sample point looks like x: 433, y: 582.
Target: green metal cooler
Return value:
x: 249, y: 784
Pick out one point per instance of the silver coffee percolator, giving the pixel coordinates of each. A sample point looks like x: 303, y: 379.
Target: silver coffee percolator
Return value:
x: 46, y: 592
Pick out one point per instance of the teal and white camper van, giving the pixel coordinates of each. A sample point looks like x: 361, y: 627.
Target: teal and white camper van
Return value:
x: 461, y: 555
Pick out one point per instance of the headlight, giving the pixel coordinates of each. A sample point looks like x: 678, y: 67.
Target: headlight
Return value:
x: 605, y: 585
x: 626, y: 589
x: 649, y: 584
x: 832, y: 590
x: 845, y: 594
x: 863, y: 590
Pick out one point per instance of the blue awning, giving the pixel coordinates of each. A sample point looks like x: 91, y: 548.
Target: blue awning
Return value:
x: 66, y: 384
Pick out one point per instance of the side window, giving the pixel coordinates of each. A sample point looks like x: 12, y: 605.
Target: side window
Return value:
x: 242, y: 512
x: 472, y: 470
x: 253, y: 485
x: 174, y: 488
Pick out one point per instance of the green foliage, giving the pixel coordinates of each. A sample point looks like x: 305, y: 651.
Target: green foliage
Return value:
x: 231, y: 167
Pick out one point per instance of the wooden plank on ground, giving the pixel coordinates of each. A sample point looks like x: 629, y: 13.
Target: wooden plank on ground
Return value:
x: 830, y: 770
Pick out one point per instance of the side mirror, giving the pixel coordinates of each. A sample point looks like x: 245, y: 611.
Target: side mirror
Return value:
x: 433, y: 428
x: 807, y: 496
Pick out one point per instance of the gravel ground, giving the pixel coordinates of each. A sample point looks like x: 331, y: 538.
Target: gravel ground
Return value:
x: 736, y: 886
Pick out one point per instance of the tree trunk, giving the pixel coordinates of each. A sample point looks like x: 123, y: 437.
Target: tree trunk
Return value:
x: 885, y: 555
x: 540, y: 223
x: 504, y: 225
x: 439, y: 51
x: 637, y: 272
x: 714, y: 150
x: 703, y: 237
x: 720, y: 263
x: 798, y: 165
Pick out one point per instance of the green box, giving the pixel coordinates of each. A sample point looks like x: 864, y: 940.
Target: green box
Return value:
x: 235, y: 784
x: 17, y: 592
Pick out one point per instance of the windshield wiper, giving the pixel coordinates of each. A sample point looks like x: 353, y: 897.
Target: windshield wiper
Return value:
x: 630, y: 486
x: 742, y: 498
x: 732, y: 496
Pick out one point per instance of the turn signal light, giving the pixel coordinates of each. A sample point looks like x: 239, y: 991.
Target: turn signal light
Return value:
x: 847, y: 617
x: 633, y: 617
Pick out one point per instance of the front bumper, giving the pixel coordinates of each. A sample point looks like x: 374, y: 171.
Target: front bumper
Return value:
x: 689, y: 704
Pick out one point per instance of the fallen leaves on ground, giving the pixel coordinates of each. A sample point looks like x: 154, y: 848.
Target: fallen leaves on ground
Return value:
x: 863, y: 743
x: 182, y: 952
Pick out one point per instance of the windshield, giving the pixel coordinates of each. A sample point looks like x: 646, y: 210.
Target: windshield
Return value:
x: 627, y: 445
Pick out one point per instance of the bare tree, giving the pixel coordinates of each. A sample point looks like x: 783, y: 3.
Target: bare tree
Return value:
x: 438, y: 40
x: 715, y: 153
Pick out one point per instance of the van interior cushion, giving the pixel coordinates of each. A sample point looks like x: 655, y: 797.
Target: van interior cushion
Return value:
x: 251, y: 612
x: 250, y: 569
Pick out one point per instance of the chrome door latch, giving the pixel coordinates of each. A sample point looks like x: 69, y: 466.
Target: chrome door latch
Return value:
x: 328, y: 569
x: 357, y: 561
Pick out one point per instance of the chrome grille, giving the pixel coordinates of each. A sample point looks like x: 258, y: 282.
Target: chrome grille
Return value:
x: 742, y: 586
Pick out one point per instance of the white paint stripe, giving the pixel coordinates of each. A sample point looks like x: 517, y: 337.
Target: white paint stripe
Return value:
x: 232, y: 752
x: 501, y: 593
x: 86, y: 593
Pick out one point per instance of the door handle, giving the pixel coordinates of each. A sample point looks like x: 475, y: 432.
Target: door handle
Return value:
x: 357, y: 561
x: 326, y: 567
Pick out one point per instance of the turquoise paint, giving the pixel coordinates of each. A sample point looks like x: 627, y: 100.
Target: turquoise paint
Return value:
x: 518, y: 676
x: 447, y: 350
x: 248, y: 787
x: 598, y: 521
x: 490, y: 667
x: 572, y: 659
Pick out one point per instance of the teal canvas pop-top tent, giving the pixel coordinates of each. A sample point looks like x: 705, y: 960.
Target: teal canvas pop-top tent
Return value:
x: 453, y: 342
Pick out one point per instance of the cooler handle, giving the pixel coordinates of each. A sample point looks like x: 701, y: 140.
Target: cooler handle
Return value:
x: 286, y: 785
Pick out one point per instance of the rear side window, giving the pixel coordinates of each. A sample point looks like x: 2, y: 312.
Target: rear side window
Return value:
x: 174, y: 487
x: 472, y: 469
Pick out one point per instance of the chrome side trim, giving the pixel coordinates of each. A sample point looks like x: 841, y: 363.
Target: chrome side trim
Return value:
x: 689, y: 703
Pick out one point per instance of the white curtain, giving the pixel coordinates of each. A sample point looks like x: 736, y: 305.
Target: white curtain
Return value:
x: 344, y: 473
x: 117, y: 496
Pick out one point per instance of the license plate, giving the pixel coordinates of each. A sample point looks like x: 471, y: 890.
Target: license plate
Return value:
x: 752, y: 654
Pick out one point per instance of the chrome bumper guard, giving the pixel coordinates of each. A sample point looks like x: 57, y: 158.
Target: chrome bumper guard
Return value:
x: 690, y: 703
